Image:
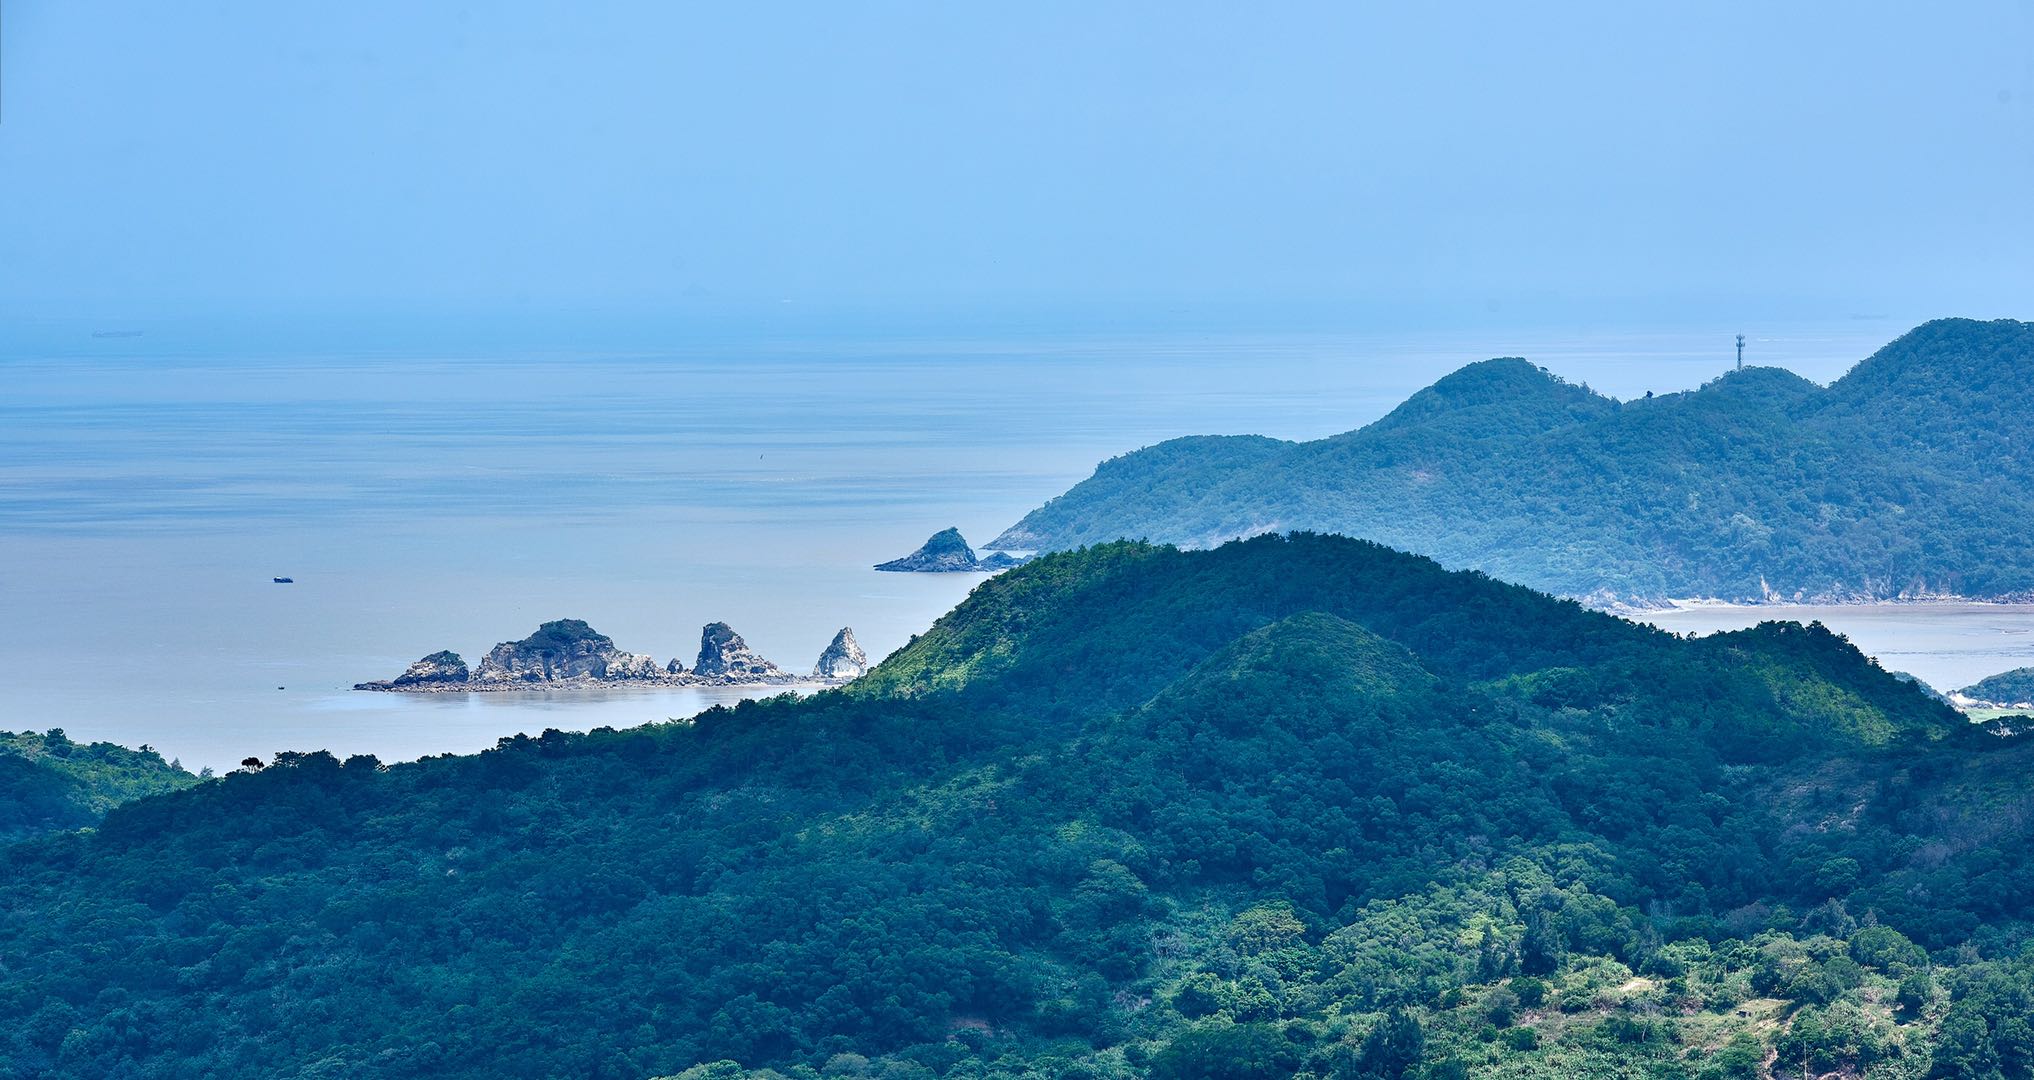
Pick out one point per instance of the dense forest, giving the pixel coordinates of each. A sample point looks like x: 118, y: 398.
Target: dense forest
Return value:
x: 1911, y: 475
x: 1293, y: 807
x: 48, y: 782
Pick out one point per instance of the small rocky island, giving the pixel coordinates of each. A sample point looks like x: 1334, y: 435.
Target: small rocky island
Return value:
x: 843, y: 659
x: 948, y: 553
x: 567, y: 653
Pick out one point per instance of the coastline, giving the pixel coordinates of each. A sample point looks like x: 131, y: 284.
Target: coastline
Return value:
x: 1631, y: 609
x: 799, y: 682
x: 1944, y: 642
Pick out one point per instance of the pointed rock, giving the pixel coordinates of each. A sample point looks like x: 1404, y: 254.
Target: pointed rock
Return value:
x: 844, y: 659
x: 944, y: 553
x: 724, y: 655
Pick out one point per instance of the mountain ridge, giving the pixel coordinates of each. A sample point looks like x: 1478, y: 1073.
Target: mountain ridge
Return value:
x: 1898, y: 481
x: 50, y: 783
x: 1124, y: 812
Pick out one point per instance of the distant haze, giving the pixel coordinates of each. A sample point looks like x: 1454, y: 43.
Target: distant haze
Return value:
x: 502, y: 159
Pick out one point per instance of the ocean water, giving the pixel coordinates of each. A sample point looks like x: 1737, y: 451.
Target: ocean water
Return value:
x: 1947, y: 645
x: 432, y: 495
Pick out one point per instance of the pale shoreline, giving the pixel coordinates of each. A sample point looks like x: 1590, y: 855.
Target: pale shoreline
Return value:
x: 1702, y: 603
x: 1944, y: 642
x: 547, y: 685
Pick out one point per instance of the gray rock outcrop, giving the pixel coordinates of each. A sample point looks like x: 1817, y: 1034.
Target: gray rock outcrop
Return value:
x: 724, y: 655
x: 440, y: 669
x: 945, y: 553
x: 561, y: 651
x: 844, y: 659
x: 569, y: 653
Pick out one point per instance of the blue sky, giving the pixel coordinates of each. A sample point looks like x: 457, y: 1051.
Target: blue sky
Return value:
x: 509, y: 158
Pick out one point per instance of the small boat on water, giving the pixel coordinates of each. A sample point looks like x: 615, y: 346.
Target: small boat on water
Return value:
x: 284, y: 581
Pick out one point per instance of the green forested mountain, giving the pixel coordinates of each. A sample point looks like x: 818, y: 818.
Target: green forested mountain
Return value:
x: 1911, y: 475
x: 49, y: 782
x: 1293, y: 807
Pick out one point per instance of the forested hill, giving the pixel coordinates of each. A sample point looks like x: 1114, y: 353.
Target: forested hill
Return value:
x: 1911, y: 475
x: 1293, y: 807
x: 48, y: 782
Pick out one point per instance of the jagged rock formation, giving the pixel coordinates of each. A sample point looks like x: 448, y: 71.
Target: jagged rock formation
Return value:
x: 844, y: 659
x: 724, y: 655
x: 443, y: 668
x: 568, y: 652
x: 561, y: 651
x: 946, y: 552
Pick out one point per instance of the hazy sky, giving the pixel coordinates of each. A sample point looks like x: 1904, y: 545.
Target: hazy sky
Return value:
x: 588, y: 157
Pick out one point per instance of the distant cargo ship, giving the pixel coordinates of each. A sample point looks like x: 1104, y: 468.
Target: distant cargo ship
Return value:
x: 284, y: 581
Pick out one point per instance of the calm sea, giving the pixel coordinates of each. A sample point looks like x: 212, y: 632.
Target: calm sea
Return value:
x: 438, y: 496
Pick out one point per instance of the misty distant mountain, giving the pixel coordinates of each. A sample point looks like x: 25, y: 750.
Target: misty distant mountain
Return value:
x: 1913, y: 475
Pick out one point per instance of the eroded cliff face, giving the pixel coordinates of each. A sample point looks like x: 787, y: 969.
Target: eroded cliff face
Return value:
x: 439, y: 667
x: 844, y: 659
x: 564, y: 650
x: 440, y: 670
x: 723, y: 655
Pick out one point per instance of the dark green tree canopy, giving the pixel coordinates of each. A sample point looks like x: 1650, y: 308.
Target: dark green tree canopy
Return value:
x: 1298, y: 806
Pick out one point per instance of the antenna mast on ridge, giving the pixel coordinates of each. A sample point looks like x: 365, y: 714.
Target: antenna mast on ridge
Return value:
x: 1740, y: 352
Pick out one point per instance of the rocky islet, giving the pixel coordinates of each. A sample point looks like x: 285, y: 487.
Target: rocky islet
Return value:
x: 567, y: 653
x: 946, y: 552
x: 844, y: 659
